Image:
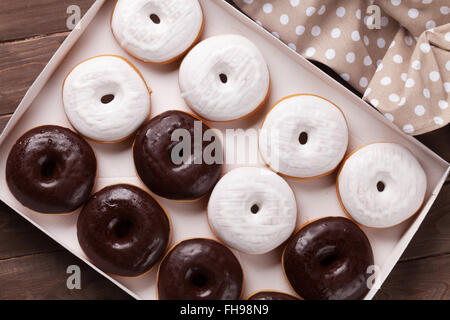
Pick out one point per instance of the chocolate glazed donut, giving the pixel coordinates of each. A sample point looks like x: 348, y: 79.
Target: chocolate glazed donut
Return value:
x: 153, y: 158
x: 123, y: 230
x: 327, y: 259
x: 51, y: 169
x: 199, y: 269
x: 271, y: 295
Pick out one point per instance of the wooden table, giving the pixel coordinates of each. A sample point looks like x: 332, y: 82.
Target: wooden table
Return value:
x: 33, y: 266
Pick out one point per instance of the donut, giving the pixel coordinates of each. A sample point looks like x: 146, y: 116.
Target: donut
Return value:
x: 106, y: 99
x: 252, y: 210
x: 156, y: 31
x: 51, y: 169
x: 199, y: 269
x: 303, y: 137
x: 327, y: 259
x: 189, y: 179
x: 224, y: 78
x: 271, y: 295
x: 123, y: 230
x: 381, y: 185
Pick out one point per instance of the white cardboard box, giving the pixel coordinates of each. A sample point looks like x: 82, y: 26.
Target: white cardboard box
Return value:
x: 290, y: 74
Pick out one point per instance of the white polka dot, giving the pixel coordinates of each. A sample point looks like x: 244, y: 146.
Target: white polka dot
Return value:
x: 310, y: 11
x: 322, y: 10
x: 340, y: 12
x: 427, y: 1
x: 447, y: 65
x: 434, y: 76
x: 445, y: 10
x: 336, y: 33
x: 410, y: 83
x: 350, y: 57
x: 381, y: 43
x: 447, y: 36
x: 378, y: 62
x: 330, y: 54
x: 366, y: 40
x: 392, y: 44
x: 384, y: 21
x: 430, y: 24
x: 367, y: 61
x: 299, y: 30
x: 389, y: 116
x: 345, y: 76
x: 408, y: 40
x: 426, y: 93
x: 295, y: 3
x: 284, y: 19
x: 355, y: 35
x: 385, y: 81
x: 408, y: 128
x: 443, y: 104
x: 363, y: 82
x: 375, y: 102
x: 248, y: 1
x: 396, y: 2
x: 292, y: 46
x: 413, y: 13
x: 267, y: 8
x: 398, y: 58
x: 416, y: 65
x: 425, y: 47
x: 419, y: 110
x: 358, y: 14
x: 315, y: 31
x: 276, y: 34
x: 404, y: 76
x: 310, y: 52
x: 379, y: 67
x: 447, y: 86
x: 394, y: 97
x: 367, y: 92
x: 402, y: 102
x: 438, y: 120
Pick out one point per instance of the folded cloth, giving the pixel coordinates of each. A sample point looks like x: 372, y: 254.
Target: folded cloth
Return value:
x: 399, y: 60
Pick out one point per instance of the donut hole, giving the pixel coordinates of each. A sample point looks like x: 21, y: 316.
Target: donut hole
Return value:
x: 328, y: 260
x: 223, y: 78
x: 121, y: 227
x: 107, y: 98
x: 303, y: 138
x: 254, y: 208
x: 155, y: 18
x: 327, y: 256
x: 48, y: 168
x: 197, y: 277
x: 380, y: 186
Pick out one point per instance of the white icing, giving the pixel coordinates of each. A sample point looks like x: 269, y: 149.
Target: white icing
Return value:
x: 180, y: 25
x: 327, y: 137
x: 93, y: 79
x: 404, y: 179
x: 248, y: 79
x: 231, y: 218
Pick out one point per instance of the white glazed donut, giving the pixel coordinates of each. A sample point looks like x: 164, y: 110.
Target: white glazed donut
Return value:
x: 381, y: 185
x: 224, y: 78
x: 157, y: 31
x: 252, y: 210
x: 304, y: 136
x: 106, y: 99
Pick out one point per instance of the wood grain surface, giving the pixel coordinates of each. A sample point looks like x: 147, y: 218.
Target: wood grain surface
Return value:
x: 33, y: 266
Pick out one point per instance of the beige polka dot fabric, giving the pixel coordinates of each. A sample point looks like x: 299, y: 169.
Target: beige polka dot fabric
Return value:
x: 402, y: 68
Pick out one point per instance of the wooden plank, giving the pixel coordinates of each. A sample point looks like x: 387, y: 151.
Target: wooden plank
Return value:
x: 20, y: 64
x: 43, y: 276
x: 21, y: 19
x: 422, y: 279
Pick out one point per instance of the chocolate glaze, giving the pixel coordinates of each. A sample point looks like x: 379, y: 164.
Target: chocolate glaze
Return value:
x: 123, y: 230
x: 200, y: 269
x: 328, y: 260
x: 51, y: 169
x: 271, y: 295
x: 152, y: 157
